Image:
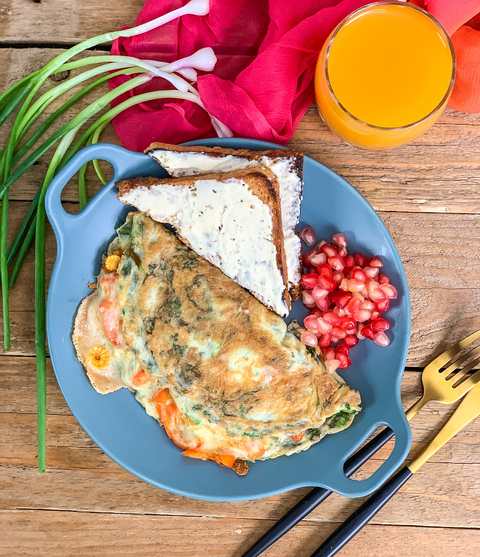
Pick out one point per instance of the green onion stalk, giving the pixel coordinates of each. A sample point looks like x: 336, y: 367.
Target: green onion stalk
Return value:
x: 26, y: 144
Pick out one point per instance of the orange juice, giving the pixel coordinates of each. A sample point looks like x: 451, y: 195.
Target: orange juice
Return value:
x: 384, y: 75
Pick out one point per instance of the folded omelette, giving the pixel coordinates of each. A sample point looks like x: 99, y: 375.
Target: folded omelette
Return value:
x: 225, y: 377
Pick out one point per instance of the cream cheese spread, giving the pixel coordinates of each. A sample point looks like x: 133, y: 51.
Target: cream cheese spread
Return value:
x: 228, y: 226
x: 178, y: 163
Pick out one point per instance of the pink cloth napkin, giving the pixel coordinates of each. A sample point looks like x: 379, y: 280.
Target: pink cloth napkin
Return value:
x: 262, y: 84
x: 267, y: 49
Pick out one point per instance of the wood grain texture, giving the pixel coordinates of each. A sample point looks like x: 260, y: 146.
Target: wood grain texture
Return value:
x: 78, y: 534
x: 60, y: 22
x: 439, y: 172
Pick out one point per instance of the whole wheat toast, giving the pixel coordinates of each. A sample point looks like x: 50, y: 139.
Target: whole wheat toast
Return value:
x: 236, y: 236
x: 287, y: 165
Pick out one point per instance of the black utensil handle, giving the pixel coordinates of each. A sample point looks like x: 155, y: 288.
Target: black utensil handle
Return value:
x: 357, y: 520
x: 306, y: 505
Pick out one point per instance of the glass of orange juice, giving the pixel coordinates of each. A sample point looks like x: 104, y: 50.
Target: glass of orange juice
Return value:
x: 384, y: 75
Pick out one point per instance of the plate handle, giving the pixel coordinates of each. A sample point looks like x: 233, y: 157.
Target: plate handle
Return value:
x: 122, y: 161
x: 397, y: 422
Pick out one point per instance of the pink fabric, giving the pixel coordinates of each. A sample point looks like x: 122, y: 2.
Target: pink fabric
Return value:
x: 266, y: 49
x: 262, y: 84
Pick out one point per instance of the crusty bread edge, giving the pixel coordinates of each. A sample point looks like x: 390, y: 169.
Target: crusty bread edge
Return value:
x: 250, y: 154
x: 265, y: 187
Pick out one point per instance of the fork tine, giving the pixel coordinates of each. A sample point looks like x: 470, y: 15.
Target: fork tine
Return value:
x: 452, y: 351
x: 462, y: 387
x: 465, y: 370
x: 461, y: 362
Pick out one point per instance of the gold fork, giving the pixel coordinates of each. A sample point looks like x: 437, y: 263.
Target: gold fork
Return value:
x: 446, y: 379
x: 449, y: 384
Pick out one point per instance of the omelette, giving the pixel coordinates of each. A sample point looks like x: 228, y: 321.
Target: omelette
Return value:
x: 224, y: 375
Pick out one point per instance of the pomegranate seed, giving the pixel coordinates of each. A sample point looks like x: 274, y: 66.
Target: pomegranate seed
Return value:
x: 351, y: 340
x: 307, y: 299
x: 318, y: 293
x: 317, y: 259
x: 348, y: 325
x: 383, y: 279
x: 375, y: 262
x: 343, y: 348
x: 342, y: 251
x: 336, y: 263
x: 309, y: 339
x: 311, y: 324
x: 307, y: 234
x: 331, y: 318
x: 349, y: 261
x: 331, y: 365
x: 375, y: 292
x: 375, y: 314
x: 390, y: 291
x: 360, y: 259
x: 327, y: 284
x: 362, y: 315
x: 341, y: 297
x: 338, y: 333
x: 367, y: 332
x: 323, y: 304
x: 309, y: 280
x: 355, y: 285
x: 371, y: 272
x: 339, y: 240
x: 325, y: 340
x: 358, y: 274
x: 338, y: 277
x: 329, y: 250
x: 381, y: 339
x: 383, y: 305
x: 339, y: 311
x: 343, y: 360
x: 323, y: 326
x: 354, y: 304
x: 324, y: 270
x: 380, y: 324
x: 329, y: 354
x: 368, y: 305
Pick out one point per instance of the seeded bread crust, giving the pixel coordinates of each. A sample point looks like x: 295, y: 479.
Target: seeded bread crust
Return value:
x: 260, y: 181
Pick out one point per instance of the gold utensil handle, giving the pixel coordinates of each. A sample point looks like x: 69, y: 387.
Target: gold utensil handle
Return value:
x: 468, y: 410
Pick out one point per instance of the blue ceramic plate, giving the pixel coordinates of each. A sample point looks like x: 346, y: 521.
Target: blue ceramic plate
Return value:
x: 119, y: 425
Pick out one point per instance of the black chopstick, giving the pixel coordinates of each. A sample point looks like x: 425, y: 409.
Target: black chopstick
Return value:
x: 306, y: 505
x: 357, y: 520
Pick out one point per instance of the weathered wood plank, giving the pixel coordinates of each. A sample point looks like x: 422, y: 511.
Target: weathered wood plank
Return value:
x: 60, y: 22
x: 440, y: 495
x: 63, y: 533
x: 439, y: 172
x: 443, y: 271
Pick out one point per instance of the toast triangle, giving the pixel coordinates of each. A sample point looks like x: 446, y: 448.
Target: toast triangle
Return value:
x: 286, y: 165
x: 231, y: 219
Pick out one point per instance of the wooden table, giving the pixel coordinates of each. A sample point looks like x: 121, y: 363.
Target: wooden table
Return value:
x: 428, y: 194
